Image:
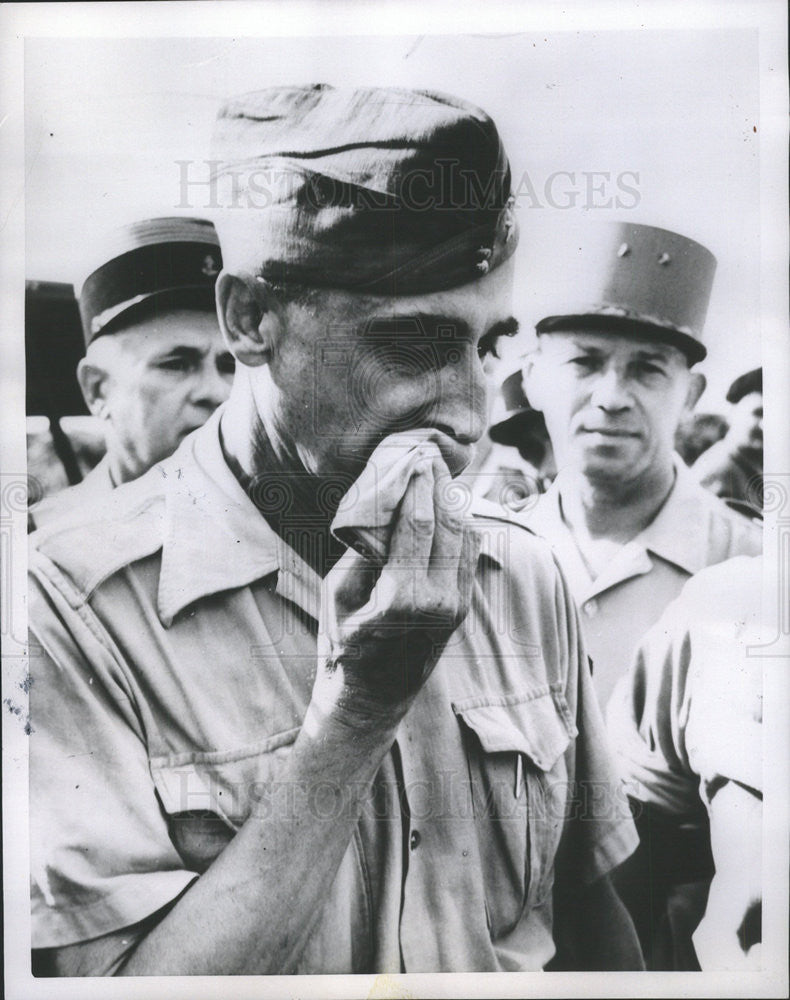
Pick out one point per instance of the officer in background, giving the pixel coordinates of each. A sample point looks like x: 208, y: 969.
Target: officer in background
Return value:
x: 155, y: 366
x: 733, y: 467
x: 614, y: 374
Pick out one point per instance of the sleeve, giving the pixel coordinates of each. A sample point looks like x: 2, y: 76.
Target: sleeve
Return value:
x: 647, y: 718
x: 730, y: 933
x: 591, y: 927
x: 101, y: 856
x: 600, y: 832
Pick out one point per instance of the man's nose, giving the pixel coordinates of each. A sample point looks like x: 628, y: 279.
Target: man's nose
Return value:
x: 462, y: 403
x: 611, y: 391
x: 211, y: 388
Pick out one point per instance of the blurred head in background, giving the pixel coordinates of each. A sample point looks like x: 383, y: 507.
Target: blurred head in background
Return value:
x: 746, y: 415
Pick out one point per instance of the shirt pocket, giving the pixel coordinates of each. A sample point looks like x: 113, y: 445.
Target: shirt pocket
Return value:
x: 207, y: 795
x: 515, y: 746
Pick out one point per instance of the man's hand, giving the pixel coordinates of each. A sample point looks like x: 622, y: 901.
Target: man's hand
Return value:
x: 384, y: 627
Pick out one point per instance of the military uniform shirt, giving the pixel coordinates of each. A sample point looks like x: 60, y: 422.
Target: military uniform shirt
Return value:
x: 692, y: 530
x: 687, y: 726
x: 173, y: 658
x: 96, y: 485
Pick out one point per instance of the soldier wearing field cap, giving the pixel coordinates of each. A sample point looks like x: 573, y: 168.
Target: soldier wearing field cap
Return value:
x: 155, y: 365
x: 338, y: 721
x: 517, y: 463
x: 614, y: 372
x: 733, y: 467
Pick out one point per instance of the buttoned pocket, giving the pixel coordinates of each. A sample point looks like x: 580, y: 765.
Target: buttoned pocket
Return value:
x: 515, y: 747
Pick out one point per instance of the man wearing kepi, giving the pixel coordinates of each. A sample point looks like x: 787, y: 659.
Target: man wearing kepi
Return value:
x: 155, y: 366
x: 305, y: 714
x: 613, y: 374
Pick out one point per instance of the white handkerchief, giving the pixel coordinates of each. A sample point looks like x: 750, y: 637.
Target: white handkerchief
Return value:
x: 366, y: 514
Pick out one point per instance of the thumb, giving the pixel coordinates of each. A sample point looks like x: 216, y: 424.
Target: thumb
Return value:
x: 351, y: 582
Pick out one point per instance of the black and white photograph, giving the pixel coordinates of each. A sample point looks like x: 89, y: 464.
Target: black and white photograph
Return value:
x: 395, y: 499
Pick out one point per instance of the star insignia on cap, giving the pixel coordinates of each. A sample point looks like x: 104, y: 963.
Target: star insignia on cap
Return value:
x: 483, y: 259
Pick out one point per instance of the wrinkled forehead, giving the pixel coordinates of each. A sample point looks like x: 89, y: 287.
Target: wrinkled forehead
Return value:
x: 182, y: 329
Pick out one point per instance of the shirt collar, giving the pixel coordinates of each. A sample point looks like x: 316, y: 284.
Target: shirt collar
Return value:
x: 676, y: 534
x: 216, y: 539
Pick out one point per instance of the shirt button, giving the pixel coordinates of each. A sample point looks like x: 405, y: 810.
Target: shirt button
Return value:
x: 414, y: 840
x: 591, y: 608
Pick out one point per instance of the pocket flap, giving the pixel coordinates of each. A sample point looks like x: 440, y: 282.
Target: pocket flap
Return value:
x: 537, y: 724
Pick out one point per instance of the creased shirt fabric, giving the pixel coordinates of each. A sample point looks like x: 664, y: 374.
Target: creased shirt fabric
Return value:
x: 692, y: 530
x: 687, y: 726
x: 688, y: 716
x: 97, y: 484
x: 173, y: 656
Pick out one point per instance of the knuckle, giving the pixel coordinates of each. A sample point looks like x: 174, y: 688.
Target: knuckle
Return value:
x: 440, y: 605
x: 450, y: 521
x: 422, y: 526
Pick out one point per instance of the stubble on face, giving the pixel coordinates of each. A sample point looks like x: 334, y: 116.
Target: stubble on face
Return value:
x: 351, y: 370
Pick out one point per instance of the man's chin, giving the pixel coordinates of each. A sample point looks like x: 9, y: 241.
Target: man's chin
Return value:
x: 607, y: 472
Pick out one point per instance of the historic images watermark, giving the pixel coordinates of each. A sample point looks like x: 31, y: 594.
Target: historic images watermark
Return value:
x: 210, y: 185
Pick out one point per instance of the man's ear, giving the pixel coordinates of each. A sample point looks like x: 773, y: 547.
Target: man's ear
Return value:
x: 249, y: 318
x: 94, y: 383
x: 697, y: 384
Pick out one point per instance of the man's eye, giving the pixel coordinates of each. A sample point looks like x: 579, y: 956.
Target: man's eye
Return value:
x: 226, y: 364
x: 487, y: 347
x: 585, y: 363
x: 646, y: 368
x: 176, y: 364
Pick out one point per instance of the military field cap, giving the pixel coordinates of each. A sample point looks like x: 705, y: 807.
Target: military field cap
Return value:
x: 164, y: 263
x: 631, y: 278
x: 382, y: 191
x: 743, y: 385
x: 513, y: 420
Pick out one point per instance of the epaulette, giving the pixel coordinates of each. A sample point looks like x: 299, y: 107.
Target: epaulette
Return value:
x: 90, y: 545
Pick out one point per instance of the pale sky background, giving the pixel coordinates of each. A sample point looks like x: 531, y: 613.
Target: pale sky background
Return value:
x: 106, y: 121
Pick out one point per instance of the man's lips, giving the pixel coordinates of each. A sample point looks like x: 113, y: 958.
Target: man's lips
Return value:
x: 613, y: 432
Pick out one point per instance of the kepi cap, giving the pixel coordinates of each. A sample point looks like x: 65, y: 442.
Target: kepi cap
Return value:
x: 628, y: 277
x: 169, y: 262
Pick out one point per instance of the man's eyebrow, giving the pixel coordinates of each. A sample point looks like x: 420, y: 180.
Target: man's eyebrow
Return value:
x: 656, y: 355
x: 182, y: 351
x: 504, y: 328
